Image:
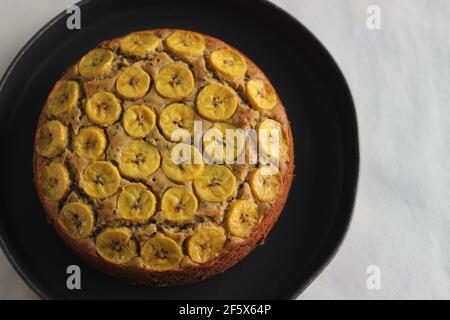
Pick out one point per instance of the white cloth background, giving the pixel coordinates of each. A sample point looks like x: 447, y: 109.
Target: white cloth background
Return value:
x: 399, y: 77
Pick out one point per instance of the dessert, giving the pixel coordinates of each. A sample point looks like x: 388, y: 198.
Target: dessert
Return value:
x: 136, y: 169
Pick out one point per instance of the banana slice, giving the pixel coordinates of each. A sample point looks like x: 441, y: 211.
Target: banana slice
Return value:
x: 116, y: 245
x: 100, y: 180
x: 178, y: 118
x: 184, y: 43
x: 138, y: 121
x: 139, y: 159
x: 55, y: 181
x: 133, y: 83
x: 242, y: 218
x: 51, y: 139
x: 178, y: 204
x: 265, y: 183
x: 90, y: 143
x: 228, y: 62
x: 103, y: 108
x: 271, y: 139
x: 139, y: 43
x: 261, y: 95
x: 206, y: 243
x: 175, y: 81
x: 77, y: 220
x: 183, y: 163
x: 161, y: 253
x: 96, y: 63
x: 222, y: 138
x: 216, y: 184
x: 216, y: 102
x: 63, y: 97
x: 136, y: 203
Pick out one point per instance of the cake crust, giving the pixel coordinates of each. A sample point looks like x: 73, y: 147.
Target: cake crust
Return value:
x: 234, y: 250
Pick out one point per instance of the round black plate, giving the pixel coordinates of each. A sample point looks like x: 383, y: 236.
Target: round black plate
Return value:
x: 311, y: 87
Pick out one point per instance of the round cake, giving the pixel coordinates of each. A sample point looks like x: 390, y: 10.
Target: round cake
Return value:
x: 163, y: 157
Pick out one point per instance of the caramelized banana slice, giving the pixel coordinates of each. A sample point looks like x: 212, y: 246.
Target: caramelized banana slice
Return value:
x: 96, y: 63
x: 51, y: 139
x: 100, y: 180
x: 242, y: 218
x: 55, y: 181
x: 178, y: 118
x: 175, y: 81
x: 103, y: 108
x: 216, y: 184
x: 271, y: 139
x: 133, y: 83
x: 228, y: 63
x: 161, y: 253
x: 77, y: 220
x: 206, y: 243
x: 116, y: 245
x: 139, y: 43
x: 178, y: 204
x: 185, y: 43
x: 139, y: 159
x: 261, y: 95
x: 63, y: 97
x: 216, y: 102
x: 182, y: 164
x: 138, y: 121
x: 222, y: 138
x: 265, y: 183
x: 90, y: 143
x: 136, y: 203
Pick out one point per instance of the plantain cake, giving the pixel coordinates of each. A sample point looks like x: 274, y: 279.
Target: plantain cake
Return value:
x: 104, y: 164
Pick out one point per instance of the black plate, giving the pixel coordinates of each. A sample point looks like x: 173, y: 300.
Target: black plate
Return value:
x: 318, y: 103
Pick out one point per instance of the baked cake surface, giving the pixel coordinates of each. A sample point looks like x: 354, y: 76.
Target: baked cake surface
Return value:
x: 134, y: 166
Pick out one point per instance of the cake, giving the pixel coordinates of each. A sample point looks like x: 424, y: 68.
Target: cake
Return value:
x: 134, y: 165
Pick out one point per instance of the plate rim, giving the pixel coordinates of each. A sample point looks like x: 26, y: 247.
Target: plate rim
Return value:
x: 346, y: 200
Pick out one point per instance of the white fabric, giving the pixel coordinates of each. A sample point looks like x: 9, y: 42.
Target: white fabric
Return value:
x: 399, y: 77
